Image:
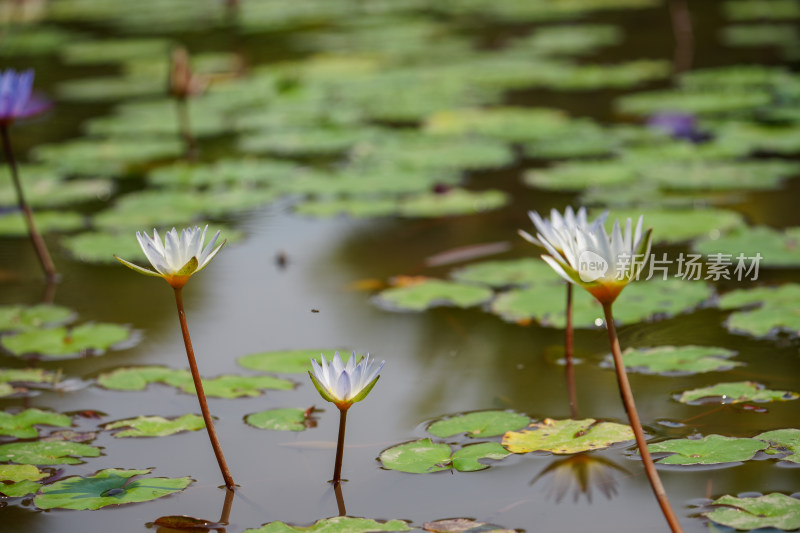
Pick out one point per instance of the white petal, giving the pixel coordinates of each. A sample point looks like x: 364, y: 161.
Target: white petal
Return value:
x: 342, y: 391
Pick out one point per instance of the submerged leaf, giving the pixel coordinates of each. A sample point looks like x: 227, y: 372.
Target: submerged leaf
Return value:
x: 156, y: 426
x: 566, y: 436
x: 478, y: 424
x: 738, y: 392
x: 709, y: 450
x: 107, y: 487
x: 771, y: 510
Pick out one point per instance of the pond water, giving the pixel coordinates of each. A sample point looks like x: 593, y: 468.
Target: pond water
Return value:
x: 440, y: 361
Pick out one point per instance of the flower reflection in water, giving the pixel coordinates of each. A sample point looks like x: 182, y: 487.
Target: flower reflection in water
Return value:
x: 578, y: 474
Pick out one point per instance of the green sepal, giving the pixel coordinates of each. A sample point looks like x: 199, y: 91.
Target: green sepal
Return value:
x: 363, y: 394
x: 322, y: 391
x: 137, y: 268
x: 189, y: 268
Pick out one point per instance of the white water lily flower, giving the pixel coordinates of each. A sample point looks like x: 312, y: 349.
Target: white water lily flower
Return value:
x: 345, y: 384
x: 549, y: 229
x: 602, y: 264
x: 178, y: 257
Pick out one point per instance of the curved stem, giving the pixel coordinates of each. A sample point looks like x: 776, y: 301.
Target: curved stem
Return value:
x: 337, y: 490
x: 569, y: 361
x: 36, y: 239
x: 633, y: 417
x: 337, y: 469
x: 201, y: 396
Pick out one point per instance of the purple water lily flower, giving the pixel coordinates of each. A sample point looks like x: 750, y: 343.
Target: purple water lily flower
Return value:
x: 16, y: 96
x: 678, y: 126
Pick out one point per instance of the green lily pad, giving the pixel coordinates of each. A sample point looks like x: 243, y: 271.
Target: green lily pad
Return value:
x: 577, y: 175
x: 640, y: 301
x: 504, y: 123
x: 27, y: 376
x: 578, y: 139
x: 225, y: 386
x: 116, y: 156
x: 64, y: 343
x: 352, y: 207
x: 20, y: 40
x: 17, y: 317
x: 235, y: 172
x: 45, y: 188
x: 680, y: 225
x: 781, y: 36
x: 156, y: 426
x: 306, y: 142
x: 417, y: 457
x: 452, y: 202
x: 785, y: 442
x: 586, y: 77
x: 115, y: 50
x: 46, y: 452
x: 678, y: 360
x: 337, y: 524
x: 107, y: 487
x: 723, y: 175
x: 737, y: 76
x: 710, y: 450
x: 463, y: 525
x: 369, y: 181
x: 738, y: 392
x: 18, y: 480
x: 478, y: 424
x: 566, y: 436
x: 426, y: 151
x: 431, y: 292
x: 283, y: 362
x: 110, y: 88
x: 572, y: 40
x: 783, y: 139
x: 147, y: 119
x: 508, y: 273
x: 775, y: 10
x: 286, y: 419
x: 13, y: 224
x: 22, y: 425
x: 771, y: 510
x: 693, y: 102
x: 778, y: 248
x: 777, y: 309
x: 466, y: 459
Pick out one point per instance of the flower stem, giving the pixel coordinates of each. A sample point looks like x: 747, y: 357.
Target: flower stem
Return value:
x: 337, y: 490
x: 633, y: 417
x: 36, y: 239
x: 201, y: 396
x: 337, y: 469
x: 569, y: 362
x: 184, y: 125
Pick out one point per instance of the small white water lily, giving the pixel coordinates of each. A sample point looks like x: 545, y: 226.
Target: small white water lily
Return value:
x: 601, y: 264
x: 178, y: 257
x: 550, y: 230
x: 345, y: 384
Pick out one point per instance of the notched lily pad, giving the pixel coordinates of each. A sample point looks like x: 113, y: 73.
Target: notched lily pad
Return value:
x: 677, y: 360
x: 46, y: 452
x: 18, y: 480
x: 107, y: 487
x: 156, y: 426
x: 777, y: 310
x: 478, y: 424
x: 18, y: 318
x: 283, y: 362
x: 417, y: 457
x: 783, y: 442
x: 737, y: 392
x: 709, y: 450
x: 466, y: 459
x: 22, y: 425
x: 771, y: 510
x: 286, y: 419
x: 65, y: 343
x: 428, y: 292
x: 566, y: 436
x: 337, y: 524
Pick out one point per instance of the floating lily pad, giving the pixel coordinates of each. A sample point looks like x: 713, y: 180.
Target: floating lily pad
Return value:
x: 579, y: 139
x: 678, y: 360
x: 337, y: 524
x: 22, y: 425
x: 225, y: 386
x: 783, y: 139
x: 107, y: 487
x: 240, y: 172
x: 13, y: 224
x: 777, y: 248
x: 514, y: 272
x: 110, y: 88
x: 723, y: 175
x: 436, y: 152
x: 452, y: 202
x: 116, y: 156
x: 771, y: 510
x: 369, y: 181
x: 283, y: 362
x: 156, y: 426
x: 566, y: 436
x: 27, y: 376
x: 115, y: 50
x: 18, y: 480
x: 785, y: 37
x: 466, y: 459
x: 429, y: 292
x: 576, y: 175
x: 46, y: 452
x: 7, y: 390
x: 777, y: 309
x: 641, y: 301
x: 587, y: 77
x: 308, y: 142
x: 693, y: 102
x: 505, y: 123
x: 737, y: 392
x: 680, y: 225
x: 478, y: 424
x: 20, y: 40
x: 710, y: 450
x: 572, y: 40
x: 17, y: 317
x: 64, y: 343
x: 463, y: 525
x: 286, y: 419
x: 775, y: 10
x: 417, y: 457
x: 783, y: 442
x: 738, y: 76
x: 352, y: 207
x: 44, y: 188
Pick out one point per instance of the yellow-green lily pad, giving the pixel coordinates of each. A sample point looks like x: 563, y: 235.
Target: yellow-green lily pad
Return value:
x: 19, y: 480
x: 337, y: 524
x: 65, y: 343
x: 18, y: 317
x: 678, y: 360
x: 709, y: 450
x: 115, y: 50
x: 568, y: 40
x: 112, y: 486
x: 285, y: 419
x: 735, y: 392
x: 156, y: 426
x: 694, y: 102
x: 478, y: 424
x: 566, y: 436
x: 431, y: 292
x: 775, y: 10
x: 504, y: 123
x: 771, y: 510
x: 22, y: 425
x: 46, y: 452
